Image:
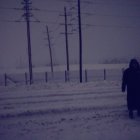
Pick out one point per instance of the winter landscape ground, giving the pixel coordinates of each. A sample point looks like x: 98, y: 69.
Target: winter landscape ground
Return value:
x: 66, y: 111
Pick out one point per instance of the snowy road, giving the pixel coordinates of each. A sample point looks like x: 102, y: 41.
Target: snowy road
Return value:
x: 66, y: 112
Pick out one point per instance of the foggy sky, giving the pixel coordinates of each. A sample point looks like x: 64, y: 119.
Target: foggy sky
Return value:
x: 114, y: 32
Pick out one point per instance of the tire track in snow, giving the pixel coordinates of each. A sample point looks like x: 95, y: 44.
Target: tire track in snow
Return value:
x: 30, y: 113
x: 61, y: 100
x: 58, y: 95
x: 85, y: 103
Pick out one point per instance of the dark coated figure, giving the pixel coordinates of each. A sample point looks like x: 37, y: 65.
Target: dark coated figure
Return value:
x: 131, y: 80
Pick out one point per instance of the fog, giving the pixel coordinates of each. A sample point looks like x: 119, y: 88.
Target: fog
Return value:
x: 110, y: 30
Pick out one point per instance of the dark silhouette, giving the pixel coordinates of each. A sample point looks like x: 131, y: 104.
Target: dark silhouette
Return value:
x: 131, y: 80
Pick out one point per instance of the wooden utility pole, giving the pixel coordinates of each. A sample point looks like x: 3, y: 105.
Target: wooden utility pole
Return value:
x: 50, y: 50
x: 80, y: 42
x: 27, y: 15
x: 66, y: 37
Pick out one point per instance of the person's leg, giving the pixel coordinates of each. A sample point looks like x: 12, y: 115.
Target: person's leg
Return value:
x: 138, y: 112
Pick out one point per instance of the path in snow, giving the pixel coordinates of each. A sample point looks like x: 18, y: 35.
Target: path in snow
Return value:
x: 67, y: 112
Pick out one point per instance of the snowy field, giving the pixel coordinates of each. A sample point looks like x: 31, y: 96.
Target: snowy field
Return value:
x: 63, y: 68
x: 66, y: 111
x: 94, y: 72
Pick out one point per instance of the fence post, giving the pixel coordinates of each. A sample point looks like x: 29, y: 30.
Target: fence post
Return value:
x: 86, y: 76
x: 46, y: 77
x: 65, y: 76
x: 5, y: 79
x: 68, y: 78
x: 26, y: 78
x: 104, y: 74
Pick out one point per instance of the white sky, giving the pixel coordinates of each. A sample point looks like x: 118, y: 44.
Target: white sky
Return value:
x: 114, y: 33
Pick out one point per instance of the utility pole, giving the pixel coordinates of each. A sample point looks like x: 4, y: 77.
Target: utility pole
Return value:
x: 66, y: 37
x: 27, y: 16
x: 80, y: 42
x: 50, y: 50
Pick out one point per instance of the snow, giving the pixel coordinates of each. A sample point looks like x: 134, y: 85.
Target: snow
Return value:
x: 66, y: 111
x: 94, y: 72
x: 61, y: 68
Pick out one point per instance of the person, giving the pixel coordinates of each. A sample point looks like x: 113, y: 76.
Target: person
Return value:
x: 131, y: 80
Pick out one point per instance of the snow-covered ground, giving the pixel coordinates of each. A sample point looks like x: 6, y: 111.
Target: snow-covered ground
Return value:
x: 59, y: 68
x: 94, y: 72
x: 66, y: 111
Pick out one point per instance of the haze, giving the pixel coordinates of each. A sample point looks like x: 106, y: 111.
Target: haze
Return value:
x: 110, y: 30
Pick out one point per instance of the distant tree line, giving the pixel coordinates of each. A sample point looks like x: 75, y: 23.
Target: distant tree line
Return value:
x: 115, y: 61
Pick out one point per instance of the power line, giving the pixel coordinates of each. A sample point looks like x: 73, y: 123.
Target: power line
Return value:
x: 119, y: 16
x: 115, y: 4
x: 33, y: 9
x: 8, y: 8
x: 112, y: 26
x: 74, y: 1
x: 54, y: 22
x: 83, y: 13
x: 87, y: 25
x: 47, y: 10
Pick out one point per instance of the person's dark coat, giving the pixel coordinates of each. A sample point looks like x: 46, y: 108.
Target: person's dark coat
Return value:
x: 131, y: 80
